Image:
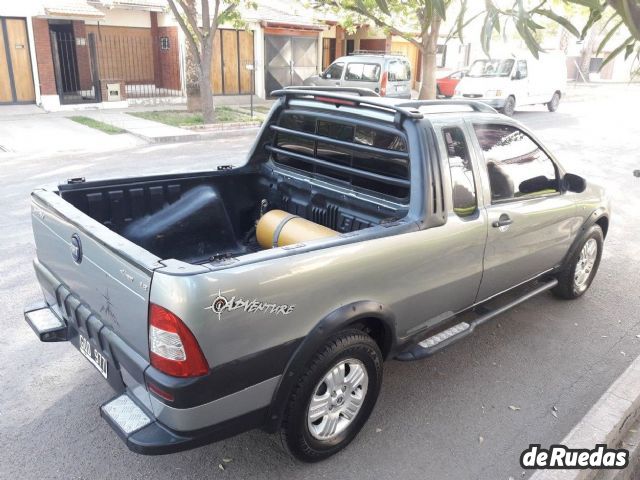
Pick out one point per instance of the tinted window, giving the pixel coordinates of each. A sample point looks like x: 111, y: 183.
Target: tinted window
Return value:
x: 516, y: 165
x: 362, y: 72
x: 463, y: 187
x: 399, y: 71
x: 334, y: 71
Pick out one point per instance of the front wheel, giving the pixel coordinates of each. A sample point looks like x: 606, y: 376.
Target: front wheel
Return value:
x: 509, y: 106
x: 552, y: 105
x: 580, y: 270
x: 334, y: 398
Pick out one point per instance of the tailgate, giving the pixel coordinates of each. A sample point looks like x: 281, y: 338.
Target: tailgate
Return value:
x: 104, y: 272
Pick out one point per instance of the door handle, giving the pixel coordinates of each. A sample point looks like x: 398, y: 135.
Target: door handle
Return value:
x: 338, y: 83
x: 503, y: 221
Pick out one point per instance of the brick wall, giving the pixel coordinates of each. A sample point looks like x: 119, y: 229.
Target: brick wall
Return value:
x: 82, y: 55
x: 42, y: 44
x: 155, y: 39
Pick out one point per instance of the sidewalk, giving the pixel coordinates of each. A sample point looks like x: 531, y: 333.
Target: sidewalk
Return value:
x: 152, y: 132
x: 29, y: 130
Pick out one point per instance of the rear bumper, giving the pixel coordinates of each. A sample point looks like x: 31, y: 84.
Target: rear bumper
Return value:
x: 158, y: 427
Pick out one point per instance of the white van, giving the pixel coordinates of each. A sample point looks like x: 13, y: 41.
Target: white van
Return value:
x: 510, y: 82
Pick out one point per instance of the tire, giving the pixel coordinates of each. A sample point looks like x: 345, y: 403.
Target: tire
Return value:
x: 552, y: 105
x: 574, y: 279
x: 312, y: 439
x: 509, y: 106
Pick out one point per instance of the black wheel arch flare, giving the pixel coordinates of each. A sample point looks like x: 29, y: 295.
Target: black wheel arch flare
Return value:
x: 356, y: 313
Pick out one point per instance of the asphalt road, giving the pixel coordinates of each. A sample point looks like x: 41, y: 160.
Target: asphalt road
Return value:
x: 447, y: 417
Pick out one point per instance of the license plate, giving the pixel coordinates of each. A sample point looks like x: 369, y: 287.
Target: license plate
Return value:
x: 401, y: 88
x: 93, y: 355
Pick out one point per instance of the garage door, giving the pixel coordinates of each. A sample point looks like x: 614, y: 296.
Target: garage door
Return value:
x: 289, y: 60
x: 16, y: 79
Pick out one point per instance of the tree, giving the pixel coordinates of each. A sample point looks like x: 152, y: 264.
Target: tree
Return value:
x: 200, y: 36
x: 420, y: 22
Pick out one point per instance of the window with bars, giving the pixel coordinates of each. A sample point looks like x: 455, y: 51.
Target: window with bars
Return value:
x: 362, y: 156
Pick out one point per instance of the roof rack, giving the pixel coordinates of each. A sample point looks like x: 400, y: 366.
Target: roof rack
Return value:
x: 376, y: 52
x: 400, y: 111
x: 362, y: 92
x: 475, y: 105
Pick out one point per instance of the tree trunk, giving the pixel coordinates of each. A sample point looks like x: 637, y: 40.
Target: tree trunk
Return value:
x: 428, y: 85
x: 429, y: 68
x: 192, y: 74
x: 192, y: 81
x: 588, y: 47
x: 206, y: 95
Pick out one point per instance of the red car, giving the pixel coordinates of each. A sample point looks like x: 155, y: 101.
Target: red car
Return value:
x: 447, y: 85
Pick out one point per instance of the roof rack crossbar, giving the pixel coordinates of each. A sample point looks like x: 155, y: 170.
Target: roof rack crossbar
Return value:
x: 368, y: 102
x: 473, y: 104
x: 362, y: 92
x: 377, y: 52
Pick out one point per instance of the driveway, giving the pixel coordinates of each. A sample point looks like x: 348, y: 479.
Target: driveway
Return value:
x: 466, y: 413
x: 28, y: 130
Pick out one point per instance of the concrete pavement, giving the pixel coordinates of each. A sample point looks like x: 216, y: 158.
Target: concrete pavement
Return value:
x: 447, y: 417
x: 28, y: 130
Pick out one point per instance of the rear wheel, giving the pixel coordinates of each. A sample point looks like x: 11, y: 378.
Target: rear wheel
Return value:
x: 552, y: 105
x: 509, y: 106
x: 576, y: 277
x: 334, y: 398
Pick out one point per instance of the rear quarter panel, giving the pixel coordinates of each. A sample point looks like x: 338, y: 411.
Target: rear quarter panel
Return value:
x: 410, y: 274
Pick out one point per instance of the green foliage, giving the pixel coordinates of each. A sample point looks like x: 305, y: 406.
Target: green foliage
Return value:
x: 412, y: 19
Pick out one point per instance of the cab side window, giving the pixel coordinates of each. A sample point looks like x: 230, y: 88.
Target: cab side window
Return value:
x: 521, y: 69
x: 334, y: 71
x: 517, y: 166
x: 463, y: 185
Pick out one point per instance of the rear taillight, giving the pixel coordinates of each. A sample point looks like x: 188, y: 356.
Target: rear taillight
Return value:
x: 383, y: 84
x: 173, y: 348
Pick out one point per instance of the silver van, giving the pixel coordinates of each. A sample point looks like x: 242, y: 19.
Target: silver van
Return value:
x: 387, y: 74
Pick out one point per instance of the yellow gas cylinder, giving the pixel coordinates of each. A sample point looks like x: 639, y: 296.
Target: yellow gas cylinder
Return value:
x: 278, y: 228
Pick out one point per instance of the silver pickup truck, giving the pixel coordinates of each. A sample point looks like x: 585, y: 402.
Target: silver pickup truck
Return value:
x: 268, y: 296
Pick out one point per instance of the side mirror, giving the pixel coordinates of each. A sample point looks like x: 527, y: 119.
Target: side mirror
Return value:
x: 517, y: 75
x: 574, y: 183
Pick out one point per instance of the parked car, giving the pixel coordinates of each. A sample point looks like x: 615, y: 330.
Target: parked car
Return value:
x: 269, y: 295
x: 446, y: 84
x: 511, y: 82
x: 389, y: 75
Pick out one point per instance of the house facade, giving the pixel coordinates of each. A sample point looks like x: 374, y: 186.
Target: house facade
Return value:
x: 69, y: 53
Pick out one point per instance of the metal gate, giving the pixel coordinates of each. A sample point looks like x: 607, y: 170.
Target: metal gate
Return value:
x: 114, y: 63
x: 16, y: 77
x: 289, y: 60
x: 77, y: 78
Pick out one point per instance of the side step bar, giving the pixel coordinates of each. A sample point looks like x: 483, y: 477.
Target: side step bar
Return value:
x: 440, y: 341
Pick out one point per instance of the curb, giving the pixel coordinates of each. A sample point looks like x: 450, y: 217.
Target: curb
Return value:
x: 611, y: 420
x: 164, y: 139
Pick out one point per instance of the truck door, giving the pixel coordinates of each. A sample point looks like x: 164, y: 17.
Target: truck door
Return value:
x: 521, y: 84
x: 531, y: 222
